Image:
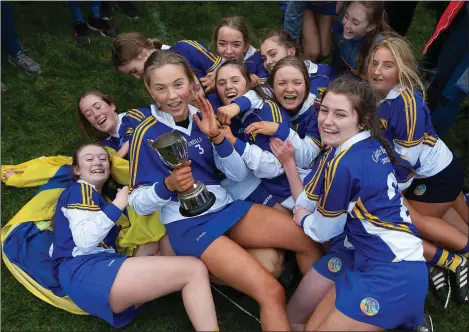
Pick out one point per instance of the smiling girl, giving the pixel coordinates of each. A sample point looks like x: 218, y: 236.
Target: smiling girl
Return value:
x: 276, y: 46
x: 352, y: 189
x: 99, y: 279
x: 232, y: 41
x: 406, y: 123
x: 218, y: 235
x: 361, y: 26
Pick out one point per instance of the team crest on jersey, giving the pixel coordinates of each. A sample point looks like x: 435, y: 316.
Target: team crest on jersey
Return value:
x: 334, y: 265
x: 420, y: 190
x: 369, y: 306
x: 129, y: 131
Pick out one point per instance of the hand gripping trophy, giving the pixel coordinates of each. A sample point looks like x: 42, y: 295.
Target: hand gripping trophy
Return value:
x: 173, y: 150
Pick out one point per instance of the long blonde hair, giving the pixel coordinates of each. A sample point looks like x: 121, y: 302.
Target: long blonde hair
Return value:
x: 405, y: 61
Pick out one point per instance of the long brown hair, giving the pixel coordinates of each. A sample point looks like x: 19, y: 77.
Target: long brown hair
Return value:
x: 364, y: 102
x: 376, y: 14
x: 236, y: 23
x: 128, y: 46
x: 295, y: 62
x: 244, y: 72
x: 88, y: 131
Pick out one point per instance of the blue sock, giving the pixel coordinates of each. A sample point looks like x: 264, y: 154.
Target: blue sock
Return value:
x: 435, y: 258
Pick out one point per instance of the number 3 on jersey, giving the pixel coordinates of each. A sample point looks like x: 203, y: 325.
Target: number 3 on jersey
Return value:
x: 201, y: 150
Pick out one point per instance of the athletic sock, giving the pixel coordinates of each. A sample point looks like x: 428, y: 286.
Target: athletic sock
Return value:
x: 447, y: 260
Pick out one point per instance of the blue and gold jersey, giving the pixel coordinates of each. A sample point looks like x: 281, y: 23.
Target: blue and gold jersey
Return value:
x: 198, y: 56
x: 254, y: 63
x: 320, y: 75
x: 128, y: 121
x: 406, y: 123
x: 84, y: 223
x: 147, y: 170
x: 353, y: 188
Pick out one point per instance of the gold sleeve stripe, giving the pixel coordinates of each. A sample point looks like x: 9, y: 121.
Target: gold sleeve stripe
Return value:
x: 329, y: 214
x: 309, y: 188
x: 330, y: 173
x: 215, y: 64
x: 411, y: 114
x: 136, y: 145
x: 201, y: 49
x: 84, y: 207
x: 134, y: 117
x: 408, y: 144
x: 137, y: 111
x: 276, y: 114
x: 83, y: 194
x: 359, y: 207
x: 315, y: 140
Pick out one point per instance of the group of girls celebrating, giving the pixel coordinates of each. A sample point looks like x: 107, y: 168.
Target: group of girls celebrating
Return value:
x: 344, y: 171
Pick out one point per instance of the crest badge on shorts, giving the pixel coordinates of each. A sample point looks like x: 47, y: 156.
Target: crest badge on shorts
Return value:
x: 420, y: 190
x: 369, y: 306
x: 334, y: 265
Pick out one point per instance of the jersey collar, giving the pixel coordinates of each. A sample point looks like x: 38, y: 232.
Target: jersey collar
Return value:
x: 393, y: 94
x: 311, y: 67
x: 84, y: 182
x: 306, y: 105
x: 119, y: 124
x: 250, y: 52
x: 168, y: 120
x: 352, y: 140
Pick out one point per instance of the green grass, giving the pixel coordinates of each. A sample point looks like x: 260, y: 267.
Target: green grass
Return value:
x: 38, y: 118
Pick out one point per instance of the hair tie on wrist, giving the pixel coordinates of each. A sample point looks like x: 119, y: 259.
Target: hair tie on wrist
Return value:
x: 212, y: 137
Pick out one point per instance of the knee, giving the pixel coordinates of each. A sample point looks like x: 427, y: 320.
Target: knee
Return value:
x: 272, y: 292
x: 198, y: 269
x: 272, y: 260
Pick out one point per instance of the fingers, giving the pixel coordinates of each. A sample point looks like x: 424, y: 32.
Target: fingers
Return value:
x: 186, y: 184
x: 251, y: 128
x: 197, y: 119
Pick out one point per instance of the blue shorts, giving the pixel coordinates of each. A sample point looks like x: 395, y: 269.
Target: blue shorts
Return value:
x: 88, y: 279
x: 337, y: 260
x: 262, y: 196
x: 191, y: 236
x: 322, y: 7
x: 383, y: 294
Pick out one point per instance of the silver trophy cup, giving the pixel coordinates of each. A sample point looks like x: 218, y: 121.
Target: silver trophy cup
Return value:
x: 173, y: 150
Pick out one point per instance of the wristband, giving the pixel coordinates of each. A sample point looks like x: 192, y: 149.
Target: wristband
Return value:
x: 212, y: 137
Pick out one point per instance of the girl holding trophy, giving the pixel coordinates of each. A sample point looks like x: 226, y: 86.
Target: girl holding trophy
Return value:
x: 219, y: 234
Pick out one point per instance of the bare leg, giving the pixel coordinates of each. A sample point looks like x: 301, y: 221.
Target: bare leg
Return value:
x: 271, y: 259
x: 148, y: 249
x: 159, y: 276
x: 325, y: 34
x: 280, y: 208
x: 264, y: 227
x: 312, y: 288
x: 327, y: 318
x: 461, y: 207
x: 433, y: 228
x: 452, y: 217
x: 165, y: 247
x: 230, y: 263
x: 310, y: 37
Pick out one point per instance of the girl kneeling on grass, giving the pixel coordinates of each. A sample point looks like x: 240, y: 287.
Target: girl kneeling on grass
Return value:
x: 219, y: 235
x: 101, y: 281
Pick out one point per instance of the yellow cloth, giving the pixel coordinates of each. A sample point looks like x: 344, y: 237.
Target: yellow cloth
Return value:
x: 41, y: 208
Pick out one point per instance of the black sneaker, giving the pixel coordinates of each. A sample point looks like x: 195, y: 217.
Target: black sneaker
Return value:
x: 107, y: 10
x: 103, y: 27
x: 459, y: 282
x: 440, y: 281
x: 128, y: 8
x: 428, y: 325
x: 80, y: 33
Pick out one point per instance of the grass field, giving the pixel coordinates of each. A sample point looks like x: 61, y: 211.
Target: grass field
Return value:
x: 38, y: 118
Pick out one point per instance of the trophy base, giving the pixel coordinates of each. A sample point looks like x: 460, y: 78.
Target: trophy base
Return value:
x: 199, y: 210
